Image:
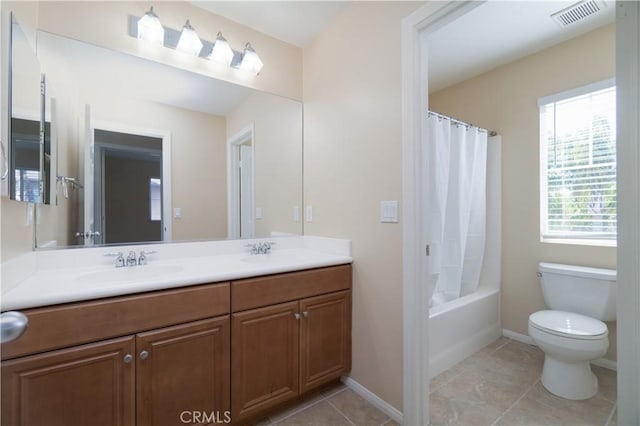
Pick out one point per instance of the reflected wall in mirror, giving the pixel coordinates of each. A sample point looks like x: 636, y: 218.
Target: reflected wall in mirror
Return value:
x: 117, y: 98
x: 30, y: 148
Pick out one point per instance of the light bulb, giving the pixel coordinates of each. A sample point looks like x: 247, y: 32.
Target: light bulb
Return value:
x: 250, y: 60
x: 189, y: 41
x: 150, y: 29
x: 221, y: 51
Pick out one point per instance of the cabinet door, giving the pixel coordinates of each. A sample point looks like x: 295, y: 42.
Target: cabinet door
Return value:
x: 325, y: 339
x: 83, y: 385
x: 264, y: 366
x: 183, y: 373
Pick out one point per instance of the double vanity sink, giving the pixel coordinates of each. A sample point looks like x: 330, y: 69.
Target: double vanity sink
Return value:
x: 56, y: 277
x: 204, y: 327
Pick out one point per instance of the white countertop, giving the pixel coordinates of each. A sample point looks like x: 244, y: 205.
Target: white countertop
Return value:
x: 56, y: 280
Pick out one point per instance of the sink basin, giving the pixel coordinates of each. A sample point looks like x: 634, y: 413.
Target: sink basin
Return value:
x: 129, y: 274
x: 277, y: 257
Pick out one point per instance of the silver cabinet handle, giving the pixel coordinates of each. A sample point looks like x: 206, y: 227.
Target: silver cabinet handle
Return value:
x: 128, y: 358
x: 297, y: 315
x: 12, y: 325
x: 144, y: 355
x: 305, y: 314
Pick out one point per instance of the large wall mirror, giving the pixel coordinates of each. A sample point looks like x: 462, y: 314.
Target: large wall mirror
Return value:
x: 148, y: 152
x: 30, y: 167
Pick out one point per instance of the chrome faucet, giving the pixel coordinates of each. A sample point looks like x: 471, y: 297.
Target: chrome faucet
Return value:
x: 260, y: 248
x: 131, y: 259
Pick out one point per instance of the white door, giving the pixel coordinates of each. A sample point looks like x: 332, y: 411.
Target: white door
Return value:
x: 247, y: 224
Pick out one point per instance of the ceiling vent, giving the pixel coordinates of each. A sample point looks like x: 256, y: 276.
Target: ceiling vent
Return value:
x: 578, y: 12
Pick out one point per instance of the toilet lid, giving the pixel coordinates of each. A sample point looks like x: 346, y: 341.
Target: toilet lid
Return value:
x: 568, y: 324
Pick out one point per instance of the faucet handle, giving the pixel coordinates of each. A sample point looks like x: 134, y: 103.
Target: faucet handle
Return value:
x: 142, y: 258
x: 266, y: 246
x: 119, y: 258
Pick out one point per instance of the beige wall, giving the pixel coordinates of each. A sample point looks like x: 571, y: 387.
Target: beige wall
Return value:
x: 277, y: 158
x: 106, y: 24
x: 352, y: 161
x: 505, y: 100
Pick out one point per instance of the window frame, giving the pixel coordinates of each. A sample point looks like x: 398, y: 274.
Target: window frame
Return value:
x: 590, y: 239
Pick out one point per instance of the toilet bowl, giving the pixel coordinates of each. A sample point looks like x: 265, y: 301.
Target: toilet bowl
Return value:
x: 572, y: 333
x: 570, y: 341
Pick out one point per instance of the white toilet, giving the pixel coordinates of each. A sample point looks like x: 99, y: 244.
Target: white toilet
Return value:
x: 572, y: 333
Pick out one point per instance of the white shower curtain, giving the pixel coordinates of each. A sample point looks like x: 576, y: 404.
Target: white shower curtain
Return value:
x: 454, y: 193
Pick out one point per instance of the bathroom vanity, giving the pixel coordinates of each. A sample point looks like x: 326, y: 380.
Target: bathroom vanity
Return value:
x: 228, y: 349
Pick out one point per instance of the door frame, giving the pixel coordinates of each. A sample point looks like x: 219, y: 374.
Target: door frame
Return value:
x: 415, y: 30
x: 233, y: 180
x: 165, y: 135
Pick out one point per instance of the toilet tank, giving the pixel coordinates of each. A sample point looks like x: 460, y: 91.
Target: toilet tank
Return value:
x: 579, y: 289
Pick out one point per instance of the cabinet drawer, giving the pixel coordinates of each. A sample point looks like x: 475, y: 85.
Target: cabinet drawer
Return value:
x: 75, y: 323
x: 256, y: 292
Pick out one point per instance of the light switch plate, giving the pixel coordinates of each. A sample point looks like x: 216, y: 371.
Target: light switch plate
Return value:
x: 389, y: 211
x: 258, y: 212
x: 308, y: 213
x: 177, y: 213
x: 296, y: 213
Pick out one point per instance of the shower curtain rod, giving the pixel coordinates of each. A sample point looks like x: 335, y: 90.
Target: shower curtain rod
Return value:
x: 467, y: 125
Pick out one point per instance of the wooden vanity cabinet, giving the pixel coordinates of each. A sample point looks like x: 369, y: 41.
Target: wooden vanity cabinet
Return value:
x: 243, y: 347
x: 84, y: 385
x: 183, y: 369
x: 283, y: 350
x: 146, y: 378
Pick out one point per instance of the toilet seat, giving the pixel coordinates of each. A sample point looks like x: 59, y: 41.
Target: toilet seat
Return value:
x: 568, y: 325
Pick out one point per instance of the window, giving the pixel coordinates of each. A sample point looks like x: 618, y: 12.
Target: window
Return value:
x: 155, y: 199
x: 578, y: 165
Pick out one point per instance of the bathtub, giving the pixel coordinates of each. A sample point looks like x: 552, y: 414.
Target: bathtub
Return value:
x: 460, y: 327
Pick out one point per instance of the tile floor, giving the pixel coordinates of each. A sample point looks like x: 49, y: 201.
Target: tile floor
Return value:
x: 499, y: 385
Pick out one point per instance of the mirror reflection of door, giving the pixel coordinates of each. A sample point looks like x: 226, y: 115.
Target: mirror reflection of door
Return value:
x: 127, y: 188
x: 247, y: 226
x: 241, y: 186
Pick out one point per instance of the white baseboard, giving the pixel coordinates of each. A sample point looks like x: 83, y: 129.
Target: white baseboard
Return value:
x: 523, y: 338
x: 373, y: 399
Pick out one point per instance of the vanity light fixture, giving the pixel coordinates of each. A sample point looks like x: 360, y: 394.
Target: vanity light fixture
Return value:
x: 250, y: 60
x: 189, y: 41
x: 221, y: 51
x: 150, y: 28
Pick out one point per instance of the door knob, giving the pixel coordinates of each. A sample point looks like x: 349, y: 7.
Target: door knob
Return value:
x: 144, y: 355
x: 297, y: 315
x: 128, y: 358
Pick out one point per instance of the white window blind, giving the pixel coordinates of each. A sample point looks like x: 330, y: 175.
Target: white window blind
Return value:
x: 578, y: 164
